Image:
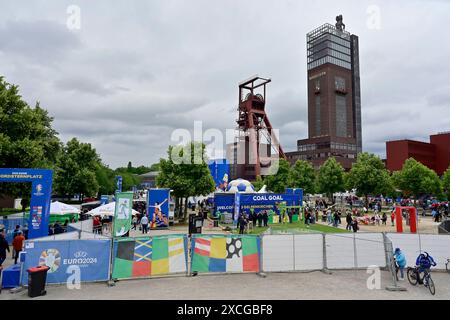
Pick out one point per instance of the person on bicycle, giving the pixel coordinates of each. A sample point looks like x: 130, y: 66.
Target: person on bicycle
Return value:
x: 400, y: 259
x: 424, y: 261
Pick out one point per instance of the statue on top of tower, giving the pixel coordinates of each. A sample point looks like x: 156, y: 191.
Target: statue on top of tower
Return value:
x: 339, y: 24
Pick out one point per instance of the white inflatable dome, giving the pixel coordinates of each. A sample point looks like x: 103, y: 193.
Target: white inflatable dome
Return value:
x: 240, y: 185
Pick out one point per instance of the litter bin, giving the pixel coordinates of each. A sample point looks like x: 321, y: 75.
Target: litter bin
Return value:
x: 215, y: 222
x: 37, y: 277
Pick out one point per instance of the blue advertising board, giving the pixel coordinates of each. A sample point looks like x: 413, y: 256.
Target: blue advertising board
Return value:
x: 220, y: 171
x: 104, y: 199
x: 41, y: 192
x: 237, y: 206
x: 118, y: 184
x: 265, y: 201
x: 296, y: 191
x: 223, y: 203
x: 67, y: 257
x: 158, y: 207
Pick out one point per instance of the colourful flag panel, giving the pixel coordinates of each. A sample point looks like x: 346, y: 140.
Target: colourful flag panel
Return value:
x: 225, y: 254
x: 149, y: 256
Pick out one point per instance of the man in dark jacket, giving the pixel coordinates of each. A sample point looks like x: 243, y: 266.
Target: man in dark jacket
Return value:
x: 265, y: 218
x: 3, y: 247
x: 348, y: 219
x: 242, y: 224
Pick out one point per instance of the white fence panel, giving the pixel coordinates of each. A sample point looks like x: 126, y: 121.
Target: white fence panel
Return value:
x: 278, y: 253
x: 370, y: 250
x: 438, y: 246
x: 339, y: 250
x: 408, y: 243
x: 308, y: 252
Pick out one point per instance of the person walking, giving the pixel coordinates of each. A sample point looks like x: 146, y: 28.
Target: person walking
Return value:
x: 355, y: 225
x: 265, y: 218
x: 242, y: 224
x: 329, y: 217
x: 3, y: 246
x: 335, y: 219
x: 134, y: 221
x: 392, y: 217
x: 253, y: 216
x: 18, y: 245
x: 349, y: 220
x: 384, y: 218
x: 144, y: 224
x: 259, y: 219
x: 400, y: 260
x: 15, y: 233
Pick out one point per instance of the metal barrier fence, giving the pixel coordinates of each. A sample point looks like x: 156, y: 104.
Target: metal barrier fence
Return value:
x: 438, y: 246
x: 317, y: 251
x: 169, y: 255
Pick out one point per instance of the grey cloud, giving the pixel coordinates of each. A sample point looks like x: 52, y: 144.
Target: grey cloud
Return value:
x: 38, y: 41
x: 139, y: 70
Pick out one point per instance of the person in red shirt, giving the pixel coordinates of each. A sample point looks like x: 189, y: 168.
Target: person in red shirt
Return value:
x: 18, y: 245
x: 392, y: 217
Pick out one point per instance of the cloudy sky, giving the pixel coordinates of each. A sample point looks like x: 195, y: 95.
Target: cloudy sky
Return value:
x: 136, y: 70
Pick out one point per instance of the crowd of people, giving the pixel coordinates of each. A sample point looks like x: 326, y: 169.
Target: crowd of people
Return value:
x: 18, y: 237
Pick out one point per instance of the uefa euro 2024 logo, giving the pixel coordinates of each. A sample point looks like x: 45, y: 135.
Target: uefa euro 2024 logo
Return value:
x: 39, y: 188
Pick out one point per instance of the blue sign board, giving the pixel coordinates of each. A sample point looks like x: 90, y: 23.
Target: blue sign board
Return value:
x: 296, y: 191
x: 118, y: 184
x: 41, y: 191
x: 158, y: 207
x: 90, y: 258
x: 223, y: 203
x: 220, y: 171
x: 104, y: 199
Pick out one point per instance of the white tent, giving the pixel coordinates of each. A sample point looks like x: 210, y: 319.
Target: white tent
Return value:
x: 106, y: 210
x: 60, y: 208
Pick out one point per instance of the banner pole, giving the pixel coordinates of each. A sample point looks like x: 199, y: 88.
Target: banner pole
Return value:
x: 111, y: 283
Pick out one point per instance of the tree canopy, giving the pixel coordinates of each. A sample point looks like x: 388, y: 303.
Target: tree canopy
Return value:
x: 303, y: 176
x: 331, y: 177
x: 369, y: 176
x: 416, y: 179
x: 27, y: 139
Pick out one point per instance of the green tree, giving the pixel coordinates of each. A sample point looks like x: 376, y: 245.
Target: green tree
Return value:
x: 416, y: 179
x: 446, y: 182
x: 186, y: 172
x: 258, y: 183
x: 369, y: 176
x: 27, y: 139
x: 279, y: 177
x: 303, y: 176
x: 330, y: 178
x: 76, y: 170
x: 106, y: 179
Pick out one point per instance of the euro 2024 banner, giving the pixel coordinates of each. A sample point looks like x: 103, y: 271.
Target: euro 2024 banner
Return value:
x: 87, y: 258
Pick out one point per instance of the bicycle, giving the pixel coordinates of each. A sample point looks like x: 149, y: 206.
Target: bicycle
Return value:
x: 414, y: 278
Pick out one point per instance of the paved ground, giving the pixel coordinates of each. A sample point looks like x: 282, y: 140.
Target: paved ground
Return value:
x: 314, y: 285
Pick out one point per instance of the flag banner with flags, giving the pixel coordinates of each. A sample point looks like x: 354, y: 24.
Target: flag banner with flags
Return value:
x: 149, y: 256
x: 122, y: 213
x: 217, y: 253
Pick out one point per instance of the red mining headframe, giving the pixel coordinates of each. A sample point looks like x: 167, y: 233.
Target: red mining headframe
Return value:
x: 255, y: 130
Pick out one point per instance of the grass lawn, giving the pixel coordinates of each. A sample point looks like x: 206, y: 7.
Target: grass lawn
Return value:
x: 296, y: 227
x: 6, y: 212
